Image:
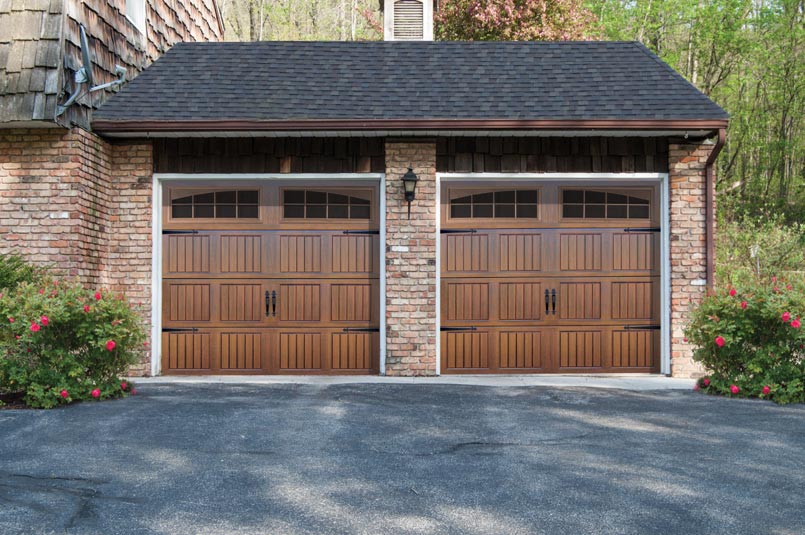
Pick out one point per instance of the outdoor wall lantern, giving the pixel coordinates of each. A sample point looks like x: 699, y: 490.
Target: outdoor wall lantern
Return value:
x: 409, y: 180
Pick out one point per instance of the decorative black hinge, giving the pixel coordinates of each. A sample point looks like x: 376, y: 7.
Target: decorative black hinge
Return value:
x: 361, y: 329
x: 458, y: 231
x: 457, y: 329
x: 642, y: 328
x: 185, y: 330
x: 179, y: 232
x: 361, y: 232
x: 643, y: 229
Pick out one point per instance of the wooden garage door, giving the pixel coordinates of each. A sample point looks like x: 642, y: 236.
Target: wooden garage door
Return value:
x: 549, y: 278
x: 270, y: 279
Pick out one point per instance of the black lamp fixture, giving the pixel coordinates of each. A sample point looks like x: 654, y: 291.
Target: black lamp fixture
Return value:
x: 409, y: 180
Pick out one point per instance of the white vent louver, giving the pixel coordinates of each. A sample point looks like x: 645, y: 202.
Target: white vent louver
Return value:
x: 408, y: 20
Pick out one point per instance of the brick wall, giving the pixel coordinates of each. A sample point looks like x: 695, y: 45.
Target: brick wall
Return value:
x: 688, y: 254
x: 72, y: 201
x: 411, y: 261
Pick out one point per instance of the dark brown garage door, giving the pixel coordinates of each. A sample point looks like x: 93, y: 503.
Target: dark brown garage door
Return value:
x: 270, y: 279
x: 550, y: 278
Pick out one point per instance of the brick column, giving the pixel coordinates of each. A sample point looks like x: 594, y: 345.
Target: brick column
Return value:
x: 686, y: 164
x: 411, y: 260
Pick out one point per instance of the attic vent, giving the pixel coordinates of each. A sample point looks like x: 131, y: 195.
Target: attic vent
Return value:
x: 408, y: 20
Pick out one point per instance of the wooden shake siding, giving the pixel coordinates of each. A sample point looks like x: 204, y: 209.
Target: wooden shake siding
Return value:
x: 552, y: 155
x: 115, y: 40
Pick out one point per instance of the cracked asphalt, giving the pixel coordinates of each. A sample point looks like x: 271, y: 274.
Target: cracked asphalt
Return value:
x: 380, y: 458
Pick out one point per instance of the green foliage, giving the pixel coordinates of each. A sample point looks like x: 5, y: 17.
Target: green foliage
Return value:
x: 753, y: 339
x: 751, y: 250
x: 58, y: 337
x: 14, y: 269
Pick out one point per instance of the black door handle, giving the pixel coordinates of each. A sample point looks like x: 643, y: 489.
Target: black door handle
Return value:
x: 553, y: 301
x: 267, y: 303
x: 546, y: 301
x: 274, y: 302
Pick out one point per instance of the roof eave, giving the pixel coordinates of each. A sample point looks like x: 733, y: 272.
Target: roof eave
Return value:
x: 106, y: 126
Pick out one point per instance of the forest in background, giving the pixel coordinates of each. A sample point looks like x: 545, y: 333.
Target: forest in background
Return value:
x: 747, y: 55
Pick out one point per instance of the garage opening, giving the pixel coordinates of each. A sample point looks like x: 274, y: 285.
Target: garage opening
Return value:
x: 550, y: 277
x: 270, y: 278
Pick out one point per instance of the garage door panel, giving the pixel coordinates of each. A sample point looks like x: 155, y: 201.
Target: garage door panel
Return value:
x: 520, y: 349
x: 580, y: 252
x: 635, y: 348
x: 241, y: 253
x: 186, y: 351
x: 634, y: 300
x: 239, y: 302
x: 186, y: 301
x: 635, y: 251
x: 298, y: 302
x: 468, y: 301
x: 466, y: 253
x: 580, y: 348
x: 356, y: 254
x: 186, y: 254
x: 353, y: 351
x: 352, y: 302
x: 300, y: 253
x: 241, y: 351
x: 579, y: 300
x: 520, y: 301
x: 520, y: 252
x: 300, y: 351
x: 466, y: 350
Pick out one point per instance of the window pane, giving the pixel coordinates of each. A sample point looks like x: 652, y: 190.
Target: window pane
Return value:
x: 248, y: 211
x: 573, y: 210
x: 504, y: 197
x: 482, y: 210
x: 182, y: 212
x: 204, y: 210
x: 463, y: 200
x: 204, y: 198
x: 617, y: 211
x: 293, y: 197
x: 294, y: 211
x: 316, y: 211
x: 248, y: 197
x: 637, y: 200
x: 359, y: 212
x: 225, y: 211
x: 595, y: 197
x: 504, y: 210
x: 527, y: 211
x: 638, y: 212
x: 594, y: 210
x: 226, y: 197
x: 338, y: 212
x: 358, y: 200
x: 335, y: 198
x: 183, y: 200
x: 461, y: 211
x: 616, y: 198
x: 573, y: 196
x: 527, y: 196
x: 316, y: 197
x: 483, y: 198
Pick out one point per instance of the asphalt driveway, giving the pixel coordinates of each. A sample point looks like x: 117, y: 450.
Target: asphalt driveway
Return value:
x: 380, y: 458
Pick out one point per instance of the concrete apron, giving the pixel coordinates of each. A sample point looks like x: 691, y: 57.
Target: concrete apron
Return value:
x: 616, y: 381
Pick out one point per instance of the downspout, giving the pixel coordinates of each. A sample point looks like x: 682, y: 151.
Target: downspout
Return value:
x: 710, y: 212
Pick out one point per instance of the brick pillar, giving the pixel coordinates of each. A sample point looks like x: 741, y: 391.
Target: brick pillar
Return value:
x: 686, y: 163
x: 411, y: 260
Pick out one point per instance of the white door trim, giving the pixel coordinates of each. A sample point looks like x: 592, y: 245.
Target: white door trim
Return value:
x: 160, y: 179
x: 665, y: 240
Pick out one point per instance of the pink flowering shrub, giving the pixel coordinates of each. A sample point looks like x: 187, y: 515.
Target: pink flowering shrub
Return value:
x: 751, y: 341
x: 67, y: 343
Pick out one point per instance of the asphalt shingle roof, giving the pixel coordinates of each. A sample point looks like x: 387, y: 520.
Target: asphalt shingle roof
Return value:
x: 408, y: 81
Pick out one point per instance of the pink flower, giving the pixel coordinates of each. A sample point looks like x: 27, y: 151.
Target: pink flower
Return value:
x: 96, y: 393
x: 786, y: 316
x: 706, y: 381
x: 796, y: 324
x: 65, y: 394
x: 744, y: 304
x: 44, y: 320
x: 766, y: 390
x: 17, y: 336
x: 776, y: 289
x: 124, y: 385
x: 86, y: 308
x: 97, y: 296
x: 734, y: 389
x: 11, y: 320
x: 145, y: 344
x: 41, y: 291
x: 685, y: 340
x: 35, y: 327
x: 133, y: 392
x: 788, y: 287
x: 732, y: 292
x: 720, y: 341
x: 110, y: 345
x: 774, y: 279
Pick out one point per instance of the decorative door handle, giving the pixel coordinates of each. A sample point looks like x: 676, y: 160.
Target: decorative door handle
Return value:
x: 546, y: 301
x: 274, y: 302
x: 553, y: 301
x: 267, y: 312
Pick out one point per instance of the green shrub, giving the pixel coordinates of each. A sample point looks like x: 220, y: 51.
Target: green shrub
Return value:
x: 60, y: 342
x: 752, y: 338
x: 754, y: 249
x: 14, y: 270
